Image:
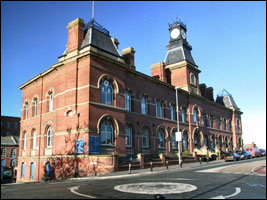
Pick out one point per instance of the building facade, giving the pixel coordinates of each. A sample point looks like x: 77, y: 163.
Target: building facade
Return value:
x: 92, y: 107
x: 10, y: 130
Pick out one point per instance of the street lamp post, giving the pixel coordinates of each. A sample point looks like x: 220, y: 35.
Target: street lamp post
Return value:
x: 177, y: 109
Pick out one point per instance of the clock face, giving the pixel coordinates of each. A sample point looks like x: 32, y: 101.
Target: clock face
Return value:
x: 183, y: 34
x: 175, y: 33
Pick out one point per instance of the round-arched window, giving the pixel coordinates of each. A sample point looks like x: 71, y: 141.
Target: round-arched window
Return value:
x: 106, y: 132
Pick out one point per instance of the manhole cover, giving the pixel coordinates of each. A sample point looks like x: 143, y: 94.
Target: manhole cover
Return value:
x: 156, y: 188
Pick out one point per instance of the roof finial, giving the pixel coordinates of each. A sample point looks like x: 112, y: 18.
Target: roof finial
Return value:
x: 93, y: 10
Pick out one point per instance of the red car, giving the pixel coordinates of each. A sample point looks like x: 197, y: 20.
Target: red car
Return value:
x: 255, y: 152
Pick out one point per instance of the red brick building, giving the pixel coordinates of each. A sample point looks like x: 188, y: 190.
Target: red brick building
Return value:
x: 92, y: 107
x: 10, y: 129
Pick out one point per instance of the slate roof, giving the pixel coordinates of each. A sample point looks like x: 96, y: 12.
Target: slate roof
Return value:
x: 9, y: 140
x: 179, y: 53
x: 226, y: 99
x: 99, y: 37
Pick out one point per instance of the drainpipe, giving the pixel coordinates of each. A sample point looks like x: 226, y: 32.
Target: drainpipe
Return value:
x: 40, y: 129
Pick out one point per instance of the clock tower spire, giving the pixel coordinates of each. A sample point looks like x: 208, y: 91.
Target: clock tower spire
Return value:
x: 179, y: 62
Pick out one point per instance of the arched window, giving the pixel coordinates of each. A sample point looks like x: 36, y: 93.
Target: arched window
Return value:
x: 206, y: 141
x: 144, y: 105
x: 145, y: 138
x: 13, y: 153
x: 192, y: 79
x: 161, y: 136
x: 195, y: 115
x: 162, y: 114
x: 185, y: 141
x: 196, y: 140
x: 35, y: 104
x: 51, y: 100
x: 26, y: 110
x: 34, y: 140
x: 13, y: 163
x: 106, y: 132
x: 106, y: 93
x: 25, y: 141
x: 174, y: 142
x: 3, y: 152
x: 230, y: 125
x: 231, y: 144
x: 226, y: 142
x: 211, y: 122
x: 220, y: 142
x: 212, y: 143
x: 49, y: 136
x: 128, y: 136
x: 128, y: 101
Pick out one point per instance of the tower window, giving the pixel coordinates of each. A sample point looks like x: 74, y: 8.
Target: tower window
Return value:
x: 192, y: 79
x: 106, y: 93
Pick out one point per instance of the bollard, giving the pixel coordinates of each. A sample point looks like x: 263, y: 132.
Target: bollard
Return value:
x: 130, y: 168
x: 151, y: 167
x: 167, y: 167
x: 200, y: 161
x: 181, y: 164
x: 207, y: 160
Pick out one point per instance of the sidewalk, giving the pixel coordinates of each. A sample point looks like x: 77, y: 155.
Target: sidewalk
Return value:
x: 139, y: 172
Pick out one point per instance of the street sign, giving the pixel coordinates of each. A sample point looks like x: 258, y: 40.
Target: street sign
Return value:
x: 178, y: 136
x: 79, y: 146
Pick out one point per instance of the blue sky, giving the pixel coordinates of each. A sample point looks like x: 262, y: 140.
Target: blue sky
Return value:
x: 228, y: 39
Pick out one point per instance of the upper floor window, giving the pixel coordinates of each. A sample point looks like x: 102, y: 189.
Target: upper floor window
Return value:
x: 106, y: 93
x: 3, y: 152
x: 162, y: 114
x: 13, y: 153
x: 195, y: 115
x: 128, y: 136
x: 106, y: 132
x: 224, y: 124
x: 34, y: 139
x: 35, y: 104
x: 218, y: 122
x: 173, y: 116
x: 13, y: 163
x: 49, y: 136
x: 144, y: 105
x: 237, y: 126
x: 145, y: 138
x: 157, y: 103
x: 25, y: 141
x: 161, y: 138
x: 128, y: 101
x: 211, y: 122
x: 192, y: 79
x: 230, y: 125
x: 26, y: 110
x: 183, y: 115
x: 8, y: 124
x: 51, y: 97
x: 16, y: 125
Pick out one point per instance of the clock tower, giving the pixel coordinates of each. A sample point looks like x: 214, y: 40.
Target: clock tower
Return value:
x: 179, y: 63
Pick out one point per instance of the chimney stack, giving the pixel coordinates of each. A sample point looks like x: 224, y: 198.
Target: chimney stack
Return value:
x: 75, y: 34
x: 158, y: 71
x: 128, y: 55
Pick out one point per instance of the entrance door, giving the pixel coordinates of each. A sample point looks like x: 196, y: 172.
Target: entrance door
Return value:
x: 32, y: 170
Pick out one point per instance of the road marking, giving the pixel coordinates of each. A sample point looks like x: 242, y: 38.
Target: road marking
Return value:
x: 156, y: 188
x: 237, y: 191
x: 174, y: 179
x: 214, y: 170
x: 255, y: 185
x: 72, y: 189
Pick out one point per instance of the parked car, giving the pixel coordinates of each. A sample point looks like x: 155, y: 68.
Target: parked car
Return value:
x: 244, y: 155
x: 232, y: 157
x: 255, y: 152
x: 263, y: 152
x: 7, y: 174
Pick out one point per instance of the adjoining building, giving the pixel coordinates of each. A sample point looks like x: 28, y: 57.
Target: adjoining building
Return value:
x: 10, y: 129
x: 92, y: 108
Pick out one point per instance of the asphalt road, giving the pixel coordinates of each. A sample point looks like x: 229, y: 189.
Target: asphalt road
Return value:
x: 233, y: 180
